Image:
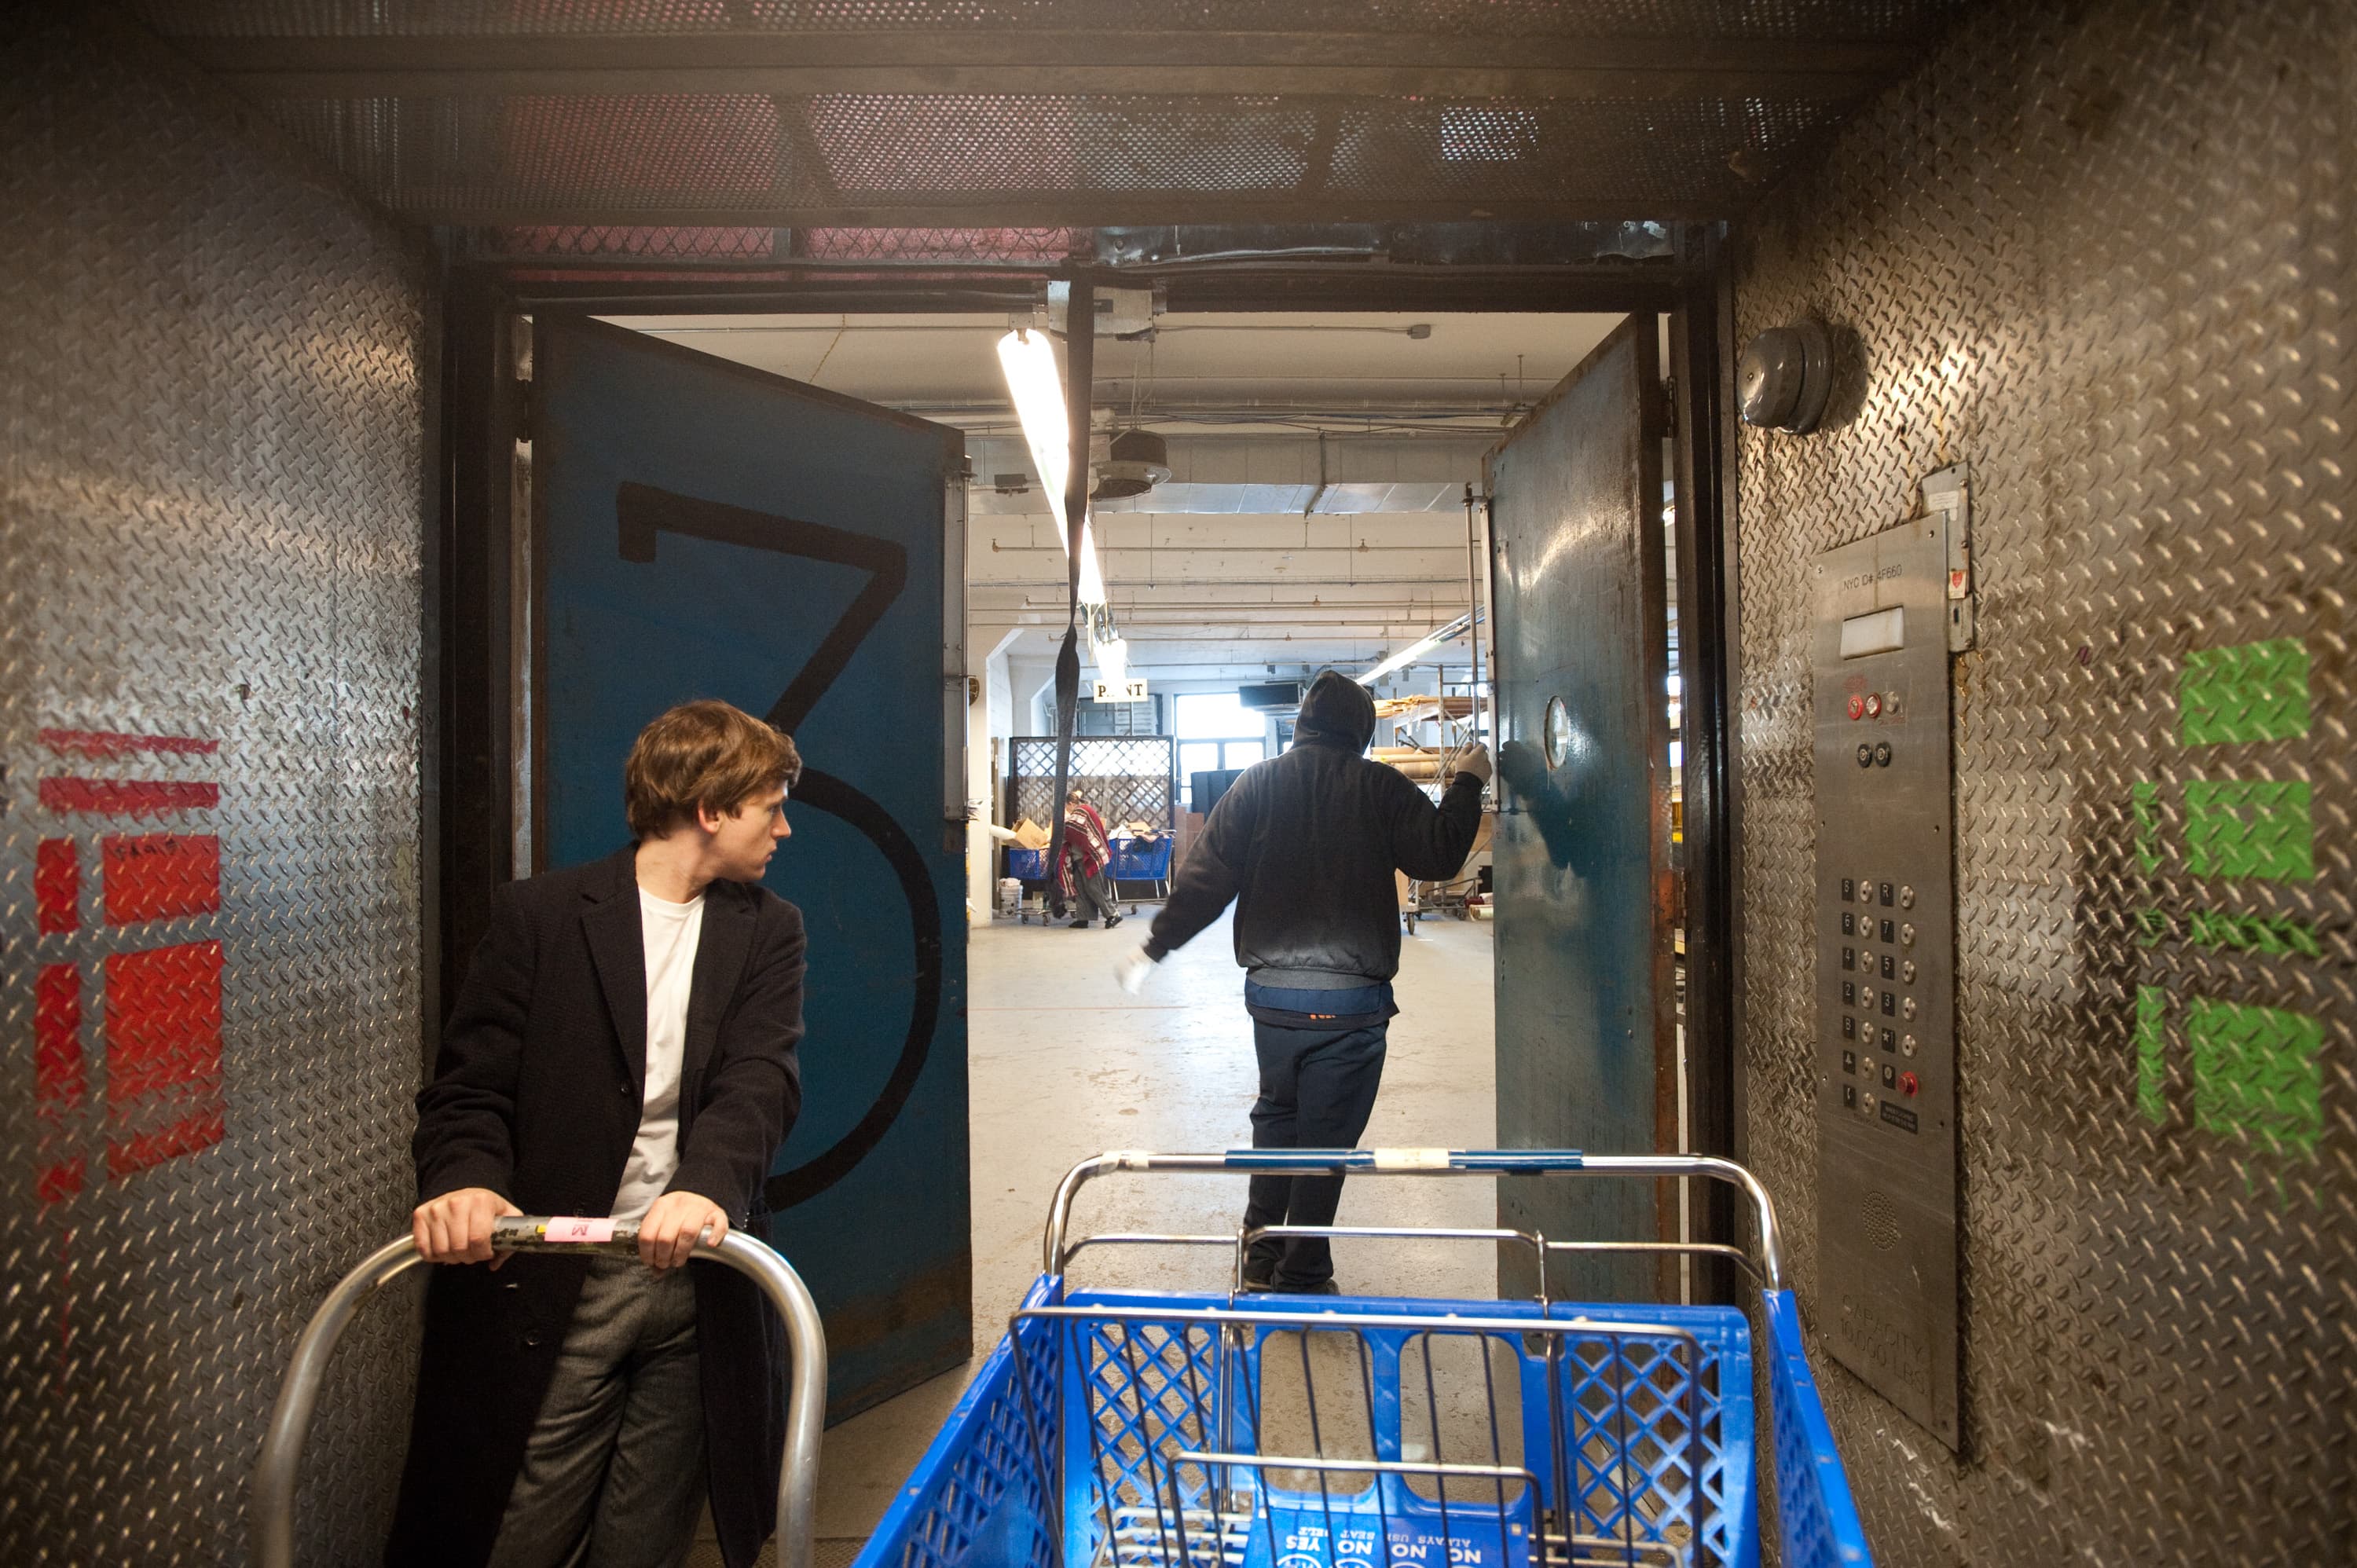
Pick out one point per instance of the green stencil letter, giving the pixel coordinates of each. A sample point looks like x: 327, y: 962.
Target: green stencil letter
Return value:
x: 2152, y: 1067
x: 2258, y: 1073
x: 2250, y: 827
x: 2255, y: 690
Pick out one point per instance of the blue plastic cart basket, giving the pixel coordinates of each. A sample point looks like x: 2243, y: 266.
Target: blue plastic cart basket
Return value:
x: 1127, y: 1429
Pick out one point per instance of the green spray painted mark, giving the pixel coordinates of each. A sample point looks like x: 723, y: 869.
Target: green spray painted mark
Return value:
x: 2250, y: 827
x: 2255, y: 690
x: 2152, y: 1069
x: 2273, y: 934
x: 2146, y: 805
x: 2256, y: 1072
x: 2152, y: 928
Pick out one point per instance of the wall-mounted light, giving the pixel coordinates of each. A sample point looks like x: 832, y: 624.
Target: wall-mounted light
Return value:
x: 1784, y: 377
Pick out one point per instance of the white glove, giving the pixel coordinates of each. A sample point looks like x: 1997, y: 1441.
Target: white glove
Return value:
x: 1476, y: 761
x: 1133, y: 969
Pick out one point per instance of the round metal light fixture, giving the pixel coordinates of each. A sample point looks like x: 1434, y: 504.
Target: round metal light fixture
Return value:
x: 1137, y: 461
x: 1784, y: 377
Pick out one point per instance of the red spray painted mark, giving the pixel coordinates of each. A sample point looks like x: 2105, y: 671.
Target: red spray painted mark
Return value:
x: 164, y: 1088
x: 127, y: 797
x: 115, y: 743
x: 57, y: 885
x: 59, y: 1083
x: 153, y: 876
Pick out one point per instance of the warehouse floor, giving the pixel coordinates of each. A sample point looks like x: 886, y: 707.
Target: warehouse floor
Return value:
x: 1063, y: 1066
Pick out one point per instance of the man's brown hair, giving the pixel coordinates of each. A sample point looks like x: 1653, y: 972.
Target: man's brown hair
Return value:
x: 705, y: 754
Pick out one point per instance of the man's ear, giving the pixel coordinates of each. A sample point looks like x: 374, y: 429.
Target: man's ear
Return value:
x: 708, y: 819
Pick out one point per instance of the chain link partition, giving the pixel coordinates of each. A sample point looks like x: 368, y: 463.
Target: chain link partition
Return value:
x: 1126, y: 777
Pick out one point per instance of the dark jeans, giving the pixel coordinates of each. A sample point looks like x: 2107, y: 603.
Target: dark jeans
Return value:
x: 1317, y: 1090
x: 613, y: 1473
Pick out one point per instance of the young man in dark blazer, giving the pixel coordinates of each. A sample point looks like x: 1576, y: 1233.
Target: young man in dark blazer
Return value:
x: 624, y: 1045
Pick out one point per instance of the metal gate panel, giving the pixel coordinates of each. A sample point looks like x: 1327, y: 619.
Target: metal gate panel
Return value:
x: 708, y: 530
x: 215, y: 394
x: 2104, y: 260
x: 1581, y: 853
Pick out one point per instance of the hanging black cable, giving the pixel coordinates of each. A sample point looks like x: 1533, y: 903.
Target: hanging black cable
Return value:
x: 1080, y: 373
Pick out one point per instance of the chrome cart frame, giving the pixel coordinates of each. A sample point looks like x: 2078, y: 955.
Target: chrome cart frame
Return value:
x: 271, y: 1511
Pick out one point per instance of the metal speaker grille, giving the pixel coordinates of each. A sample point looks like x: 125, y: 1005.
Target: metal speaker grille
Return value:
x: 2104, y: 260
x: 210, y: 537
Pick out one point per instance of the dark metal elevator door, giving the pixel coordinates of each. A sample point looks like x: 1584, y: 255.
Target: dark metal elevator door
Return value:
x: 707, y: 530
x: 1582, y: 853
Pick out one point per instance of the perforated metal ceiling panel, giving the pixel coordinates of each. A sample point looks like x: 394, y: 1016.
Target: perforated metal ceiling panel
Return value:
x: 215, y: 393
x: 1056, y: 111
x: 2105, y: 263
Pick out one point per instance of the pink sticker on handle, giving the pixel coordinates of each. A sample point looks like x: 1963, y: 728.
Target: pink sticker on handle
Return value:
x: 571, y: 1230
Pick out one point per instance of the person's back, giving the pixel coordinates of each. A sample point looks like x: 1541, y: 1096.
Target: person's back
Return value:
x: 1306, y: 844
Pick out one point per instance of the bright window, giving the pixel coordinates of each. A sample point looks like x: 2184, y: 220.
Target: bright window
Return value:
x: 1215, y: 716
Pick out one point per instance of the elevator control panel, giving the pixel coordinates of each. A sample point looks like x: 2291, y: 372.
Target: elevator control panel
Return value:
x: 1884, y: 620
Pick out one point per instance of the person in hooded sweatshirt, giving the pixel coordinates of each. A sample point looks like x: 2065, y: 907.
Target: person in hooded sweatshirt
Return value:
x: 1304, y: 845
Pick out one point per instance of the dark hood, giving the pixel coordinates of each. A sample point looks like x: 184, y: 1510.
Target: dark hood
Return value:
x: 1336, y: 711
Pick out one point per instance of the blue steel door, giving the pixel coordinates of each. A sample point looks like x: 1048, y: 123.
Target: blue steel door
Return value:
x: 702, y: 529
x: 1581, y: 858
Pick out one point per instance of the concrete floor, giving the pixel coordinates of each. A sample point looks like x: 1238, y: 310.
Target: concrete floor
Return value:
x: 1063, y: 1066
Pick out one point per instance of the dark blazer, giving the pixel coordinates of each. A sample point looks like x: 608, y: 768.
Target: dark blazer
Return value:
x: 536, y: 1096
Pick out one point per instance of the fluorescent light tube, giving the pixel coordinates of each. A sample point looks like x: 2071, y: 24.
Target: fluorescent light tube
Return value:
x: 1419, y: 648
x: 1037, y: 387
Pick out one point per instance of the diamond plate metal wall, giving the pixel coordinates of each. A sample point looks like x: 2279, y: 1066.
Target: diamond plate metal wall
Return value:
x: 2103, y: 254
x: 214, y: 385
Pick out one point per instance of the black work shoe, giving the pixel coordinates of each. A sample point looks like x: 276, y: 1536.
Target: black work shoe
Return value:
x: 1110, y: 921
x: 1259, y: 1278
x: 1323, y: 1287
x: 1080, y: 926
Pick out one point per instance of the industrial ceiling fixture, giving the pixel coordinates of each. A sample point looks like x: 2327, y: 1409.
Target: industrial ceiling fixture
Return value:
x: 1029, y: 361
x: 1139, y: 461
x: 1785, y: 377
x: 1422, y: 646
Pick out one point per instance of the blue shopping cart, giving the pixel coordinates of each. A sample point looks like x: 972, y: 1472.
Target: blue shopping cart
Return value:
x: 1125, y: 1429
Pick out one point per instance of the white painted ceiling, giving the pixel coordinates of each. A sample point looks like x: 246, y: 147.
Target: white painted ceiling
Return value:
x: 1214, y: 593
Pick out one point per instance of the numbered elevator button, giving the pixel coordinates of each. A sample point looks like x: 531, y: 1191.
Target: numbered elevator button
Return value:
x: 1849, y: 958
x: 1907, y: 936
x: 1886, y: 932
x: 1849, y: 891
x: 1886, y: 893
x: 1865, y: 755
x: 1907, y: 897
x: 1849, y: 919
x: 1888, y: 967
x: 1907, y: 972
x: 1886, y: 1039
x: 1907, y: 1045
x: 1907, y: 1008
x: 1889, y: 1076
x: 1849, y: 1027
x: 1849, y: 1062
x: 1882, y: 754
x: 1849, y: 1097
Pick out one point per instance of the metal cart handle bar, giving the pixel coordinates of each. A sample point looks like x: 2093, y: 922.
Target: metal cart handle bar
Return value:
x: 272, y: 1516
x: 1768, y: 1243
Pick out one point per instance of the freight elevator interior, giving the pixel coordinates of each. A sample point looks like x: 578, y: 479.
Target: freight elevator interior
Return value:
x: 1874, y: 475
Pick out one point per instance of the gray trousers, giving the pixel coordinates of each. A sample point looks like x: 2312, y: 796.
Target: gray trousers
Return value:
x: 613, y: 1475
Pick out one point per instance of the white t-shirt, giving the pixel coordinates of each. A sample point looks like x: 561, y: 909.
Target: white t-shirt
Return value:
x: 671, y: 932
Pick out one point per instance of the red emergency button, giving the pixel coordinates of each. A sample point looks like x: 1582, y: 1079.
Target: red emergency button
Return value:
x: 1907, y: 1084
x: 1856, y: 707
x: 1874, y: 705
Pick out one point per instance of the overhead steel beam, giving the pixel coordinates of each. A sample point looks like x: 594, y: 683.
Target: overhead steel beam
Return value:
x: 1031, y: 64
x: 1048, y: 208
